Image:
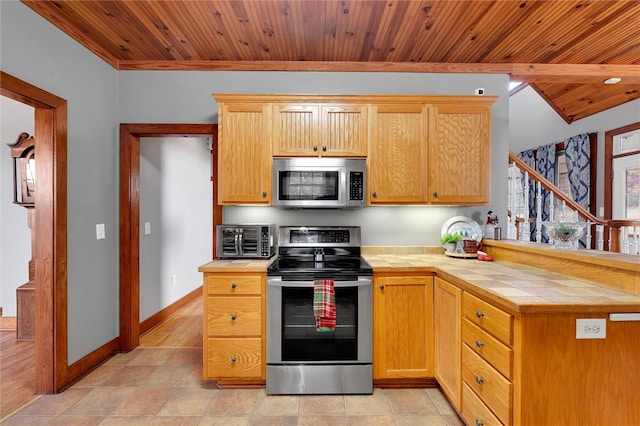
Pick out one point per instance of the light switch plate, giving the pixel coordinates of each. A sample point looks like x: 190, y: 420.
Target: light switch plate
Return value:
x: 100, y: 231
x: 147, y: 228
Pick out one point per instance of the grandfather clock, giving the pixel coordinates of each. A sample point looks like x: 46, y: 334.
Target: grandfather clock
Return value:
x: 24, y: 191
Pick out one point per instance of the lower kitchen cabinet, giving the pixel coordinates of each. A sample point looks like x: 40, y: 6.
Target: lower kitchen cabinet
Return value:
x: 403, y: 326
x: 233, y: 333
x: 447, y: 325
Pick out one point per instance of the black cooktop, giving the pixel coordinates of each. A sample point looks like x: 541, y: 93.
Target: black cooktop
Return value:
x: 300, y: 264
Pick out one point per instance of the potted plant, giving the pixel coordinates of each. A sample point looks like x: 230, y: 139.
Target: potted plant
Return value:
x: 450, y: 240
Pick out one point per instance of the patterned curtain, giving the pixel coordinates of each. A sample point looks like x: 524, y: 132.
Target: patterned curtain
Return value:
x: 543, y: 160
x: 577, y: 151
x: 546, y: 166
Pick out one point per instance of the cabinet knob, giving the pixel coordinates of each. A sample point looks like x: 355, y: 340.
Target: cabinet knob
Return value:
x: 315, y: 147
x: 374, y: 194
x: 381, y: 287
x: 479, y: 422
x: 479, y: 380
x: 233, y: 359
x: 324, y: 147
x: 435, y: 194
x: 264, y: 193
x: 233, y: 285
x: 479, y: 343
x: 233, y: 317
x: 479, y: 314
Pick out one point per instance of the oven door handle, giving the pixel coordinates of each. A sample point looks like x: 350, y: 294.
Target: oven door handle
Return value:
x: 277, y: 281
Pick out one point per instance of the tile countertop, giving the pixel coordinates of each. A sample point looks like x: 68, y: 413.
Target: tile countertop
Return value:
x: 516, y: 288
x: 237, y: 265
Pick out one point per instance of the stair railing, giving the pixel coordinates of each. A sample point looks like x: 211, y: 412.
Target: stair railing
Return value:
x: 622, y: 236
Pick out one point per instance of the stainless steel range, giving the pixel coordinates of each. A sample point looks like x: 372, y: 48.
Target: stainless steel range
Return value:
x: 300, y: 358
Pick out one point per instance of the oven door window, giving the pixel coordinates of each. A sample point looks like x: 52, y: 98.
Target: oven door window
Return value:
x: 308, y: 185
x: 301, y: 341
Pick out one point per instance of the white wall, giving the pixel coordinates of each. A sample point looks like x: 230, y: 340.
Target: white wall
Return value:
x: 15, y: 236
x: 185, y: 96
x: 35, y: 51
x: 175, y: 199
x: 533, y: 123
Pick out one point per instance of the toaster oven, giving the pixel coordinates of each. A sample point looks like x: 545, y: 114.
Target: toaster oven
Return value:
x: 255, y: 241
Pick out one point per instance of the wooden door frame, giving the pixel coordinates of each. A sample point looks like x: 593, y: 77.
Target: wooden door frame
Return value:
x: 50, y: 231
x: 130, y: 135
x: 608, y: 169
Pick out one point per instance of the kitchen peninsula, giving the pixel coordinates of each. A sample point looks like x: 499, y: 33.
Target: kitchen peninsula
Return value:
x: 504, y: 347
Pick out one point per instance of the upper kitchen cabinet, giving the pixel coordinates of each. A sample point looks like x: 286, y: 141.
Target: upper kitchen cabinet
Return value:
x: 397, y: 170
x: 305, y: 128
x: 244, y: 151
x: 459, y: 151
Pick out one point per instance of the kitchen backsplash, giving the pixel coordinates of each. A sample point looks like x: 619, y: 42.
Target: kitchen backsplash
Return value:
x: 381, y: 226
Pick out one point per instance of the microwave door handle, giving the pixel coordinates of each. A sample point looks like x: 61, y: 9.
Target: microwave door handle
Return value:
x: 240, y: 243
x: 235, y: 242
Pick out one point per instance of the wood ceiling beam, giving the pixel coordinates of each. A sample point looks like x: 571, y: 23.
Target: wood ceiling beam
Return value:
x: 556, y: 73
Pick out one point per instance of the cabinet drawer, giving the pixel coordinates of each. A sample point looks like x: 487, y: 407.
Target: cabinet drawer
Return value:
x: 474, y: 412
x: 234, y: 316
x: 233, y: 284
x: 488, y: 347
x: 488, y: 384
x: 234, y: 357
x: 490, y: 318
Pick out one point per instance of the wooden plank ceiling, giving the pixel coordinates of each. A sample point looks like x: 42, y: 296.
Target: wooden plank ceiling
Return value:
x: 563, y: 49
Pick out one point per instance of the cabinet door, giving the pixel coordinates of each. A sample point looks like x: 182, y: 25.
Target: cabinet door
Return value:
x: 447, y: 324
x: 403, y: 327
x: 459, y: 155
x: 343, y: 130
x: 398, y: 154
x: 244, y: 172
x: 296, y: 129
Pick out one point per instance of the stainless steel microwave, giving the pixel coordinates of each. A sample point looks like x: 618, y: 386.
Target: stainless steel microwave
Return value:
x: 256, y: 241
x: 332, y: 183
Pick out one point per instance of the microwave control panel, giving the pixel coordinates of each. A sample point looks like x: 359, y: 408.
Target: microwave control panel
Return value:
x: 356, y: 186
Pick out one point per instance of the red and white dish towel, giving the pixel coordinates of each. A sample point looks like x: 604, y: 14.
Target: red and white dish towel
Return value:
x: 324, y: 305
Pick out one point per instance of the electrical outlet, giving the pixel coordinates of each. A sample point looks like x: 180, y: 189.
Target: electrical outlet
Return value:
x: 591, y: 328
x: 173, y: 280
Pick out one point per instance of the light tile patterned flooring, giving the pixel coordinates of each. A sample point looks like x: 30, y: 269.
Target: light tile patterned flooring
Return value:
x: 163, y: 386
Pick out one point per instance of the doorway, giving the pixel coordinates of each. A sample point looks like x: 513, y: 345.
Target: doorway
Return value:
x: 130, y: 135
x: 622, y: 173
x: 50, y: 231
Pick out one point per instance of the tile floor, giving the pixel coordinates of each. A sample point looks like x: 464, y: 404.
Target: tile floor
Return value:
x: 152, y: 386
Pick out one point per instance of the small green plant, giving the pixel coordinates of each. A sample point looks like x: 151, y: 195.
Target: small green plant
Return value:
x: 450, y: 238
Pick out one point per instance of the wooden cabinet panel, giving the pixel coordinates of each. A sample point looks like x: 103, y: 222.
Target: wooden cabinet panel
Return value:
x: 474, y: 412
x: 459, y: 154
x: 234, y: 284
x: 488, y: 384
x: 403, y: 327
x: 397, y: 169
x: 488, y: 317
x: 234, y: 316
x: 318, y: 129
x: 343, y: 131
x: 488, y: 347
x: 234, y: 358
x: 447, y: 319
x: 244, y: 164
x: 295, y: 129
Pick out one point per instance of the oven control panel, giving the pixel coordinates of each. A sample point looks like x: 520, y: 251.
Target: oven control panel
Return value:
x: 318, y: 236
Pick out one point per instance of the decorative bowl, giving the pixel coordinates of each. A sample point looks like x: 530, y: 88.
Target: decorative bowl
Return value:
x: 565, y: 235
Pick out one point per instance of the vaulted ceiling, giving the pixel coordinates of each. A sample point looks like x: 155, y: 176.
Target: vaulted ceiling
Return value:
x: 564, y: 49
